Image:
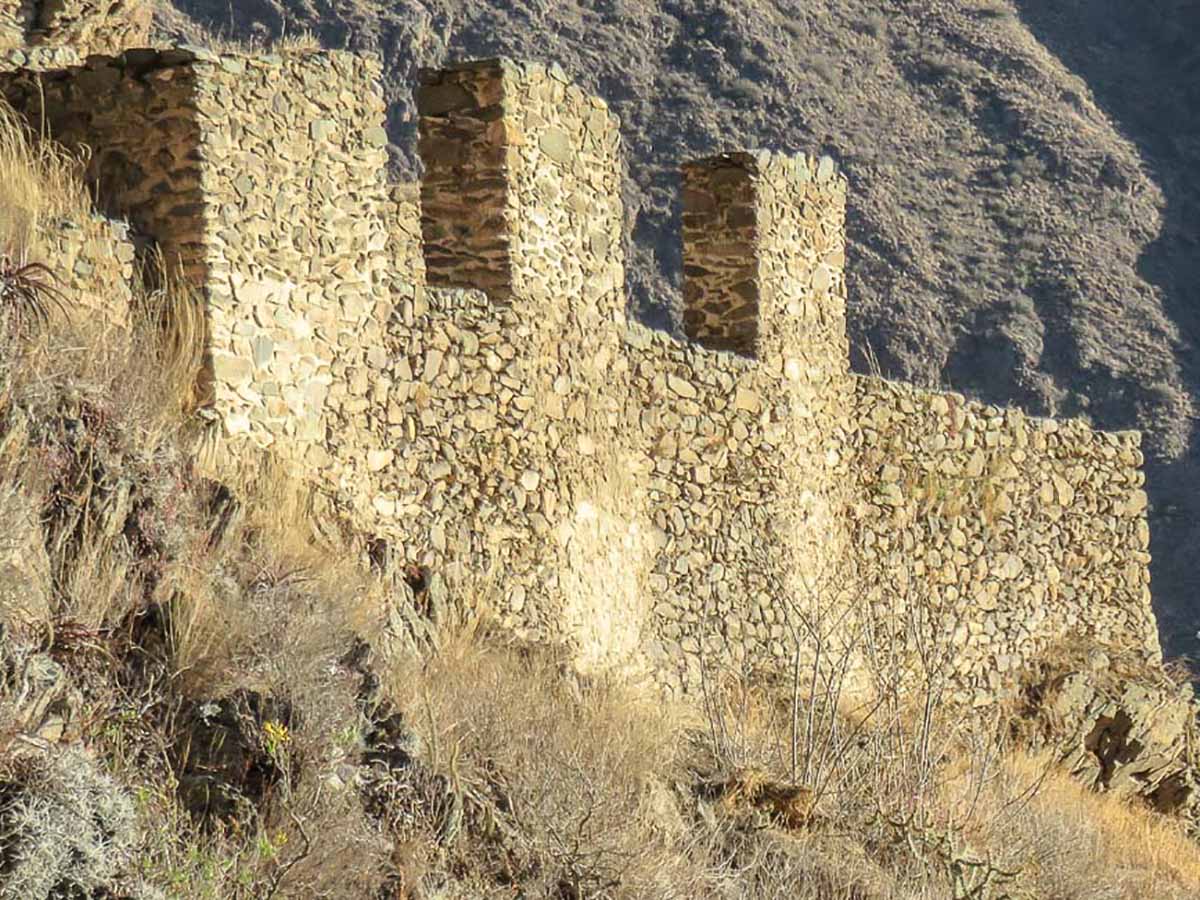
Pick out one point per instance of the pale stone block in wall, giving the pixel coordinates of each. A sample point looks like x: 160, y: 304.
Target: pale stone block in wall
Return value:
x: 94, y: 267
x: 38, y: 58
x: 15, y: 19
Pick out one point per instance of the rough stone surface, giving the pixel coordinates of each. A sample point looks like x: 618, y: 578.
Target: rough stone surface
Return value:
x: 1032, y: 527
x: 94, y: 267
x: 24, y: 565
x: 497, y: 422
x: 92, y: 26
x: 1129, y: 732
x: 276, y: 221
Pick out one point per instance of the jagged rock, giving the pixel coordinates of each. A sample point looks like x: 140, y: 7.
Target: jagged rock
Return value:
x: 24, y: 565
x: 39, y: 700
x: 1132, y: 734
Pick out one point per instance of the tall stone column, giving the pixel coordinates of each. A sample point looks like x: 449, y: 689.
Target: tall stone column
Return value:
x: 764, y: 257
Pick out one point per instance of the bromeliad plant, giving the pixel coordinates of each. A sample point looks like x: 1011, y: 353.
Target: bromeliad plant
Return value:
x: 29, y: 294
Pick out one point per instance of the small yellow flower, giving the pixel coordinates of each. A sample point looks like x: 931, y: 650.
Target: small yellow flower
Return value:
x: 276, y: 735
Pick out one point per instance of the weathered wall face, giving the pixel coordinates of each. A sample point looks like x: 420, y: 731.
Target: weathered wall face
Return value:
x: 1007, y: 533
x: 94, y: 266
x: 467, y: 210
x: 37, y: 58
x: 294, y: 246
x: 712, y: 468
x: 401, y: 215
x: 134, y: 114
x: 751, y: 533
x: 517, y: 399
x: 261, y: 179
x: 642, y: 498
x: 97, y: 26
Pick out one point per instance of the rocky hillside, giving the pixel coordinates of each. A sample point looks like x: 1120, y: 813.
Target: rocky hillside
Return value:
x: 1023, y: 176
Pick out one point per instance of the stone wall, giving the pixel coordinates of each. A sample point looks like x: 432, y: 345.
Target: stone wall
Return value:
x: 712, y: 466
x: 1009, y: 533
x: 294, y: 245
x: 94, y: 264
x: 131, y: 115
x: 261, y: 180
x: 503, y: 416
x: 471, y: 394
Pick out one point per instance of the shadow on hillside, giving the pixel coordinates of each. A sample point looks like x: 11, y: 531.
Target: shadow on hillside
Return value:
x: 1142, y: 64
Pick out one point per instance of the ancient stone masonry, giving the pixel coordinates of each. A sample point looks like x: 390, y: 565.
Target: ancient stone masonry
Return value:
x: 94, y: 263
x: 239, y: 170
x: 453, y: 365
x: 1012, y: 532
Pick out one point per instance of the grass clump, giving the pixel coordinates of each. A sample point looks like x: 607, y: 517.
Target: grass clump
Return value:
x: 39, y: 183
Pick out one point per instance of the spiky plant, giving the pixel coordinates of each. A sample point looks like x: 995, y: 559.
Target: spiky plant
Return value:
x: 29, y: 294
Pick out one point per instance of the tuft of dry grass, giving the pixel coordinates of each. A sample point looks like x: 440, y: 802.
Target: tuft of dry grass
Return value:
x: 1071, y: 842
x: 39, y: 183
x: 560, y: 782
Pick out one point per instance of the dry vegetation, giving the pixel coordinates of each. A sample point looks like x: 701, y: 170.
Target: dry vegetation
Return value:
x: 216, y: 727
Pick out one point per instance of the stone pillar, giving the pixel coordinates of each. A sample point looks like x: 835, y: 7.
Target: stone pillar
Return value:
x: 764, y: 254
x: 764, y: 251
x: 521, y: 195
x: 261, y: 180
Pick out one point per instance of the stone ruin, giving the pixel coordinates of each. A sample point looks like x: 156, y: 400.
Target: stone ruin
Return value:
x: 453, y: 365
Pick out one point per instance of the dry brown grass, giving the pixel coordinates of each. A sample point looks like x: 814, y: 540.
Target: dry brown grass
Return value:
x: 941, y: 805
x: 39, y: 183
x: 562, y: 782
x: 1070, y: 842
